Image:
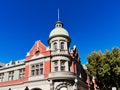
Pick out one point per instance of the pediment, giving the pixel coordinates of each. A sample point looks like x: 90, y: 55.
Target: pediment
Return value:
x: 38, y: 50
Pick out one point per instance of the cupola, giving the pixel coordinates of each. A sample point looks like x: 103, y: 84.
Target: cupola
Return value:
x: 58, y: 30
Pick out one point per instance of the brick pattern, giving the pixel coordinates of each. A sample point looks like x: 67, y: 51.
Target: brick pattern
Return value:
x: 47, y: 68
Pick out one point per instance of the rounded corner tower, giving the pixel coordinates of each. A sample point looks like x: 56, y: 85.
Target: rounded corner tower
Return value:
x: 57, y: 36
x: 59, y: 42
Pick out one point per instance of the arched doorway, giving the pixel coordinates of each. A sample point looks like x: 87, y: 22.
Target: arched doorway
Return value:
x: 36, y: 89
x: 26, y: 88
x: 63, y: 88
x: 9, y: 89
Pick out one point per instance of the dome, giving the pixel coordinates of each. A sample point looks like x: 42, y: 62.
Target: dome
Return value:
x: 58, y: 30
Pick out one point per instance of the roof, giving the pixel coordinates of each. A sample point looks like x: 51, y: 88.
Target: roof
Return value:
x: 59, y: 30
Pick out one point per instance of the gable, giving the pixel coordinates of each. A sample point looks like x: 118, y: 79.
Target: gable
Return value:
x: 38, y: 50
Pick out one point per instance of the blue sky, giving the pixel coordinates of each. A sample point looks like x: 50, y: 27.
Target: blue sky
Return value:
x: 92, y: 24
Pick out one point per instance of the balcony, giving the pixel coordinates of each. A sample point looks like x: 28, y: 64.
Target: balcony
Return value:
x: 61, y: 75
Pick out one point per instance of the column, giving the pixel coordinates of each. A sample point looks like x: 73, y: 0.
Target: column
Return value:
x: 59, y: 66
x: 6, y: 76
x: 16, y: 74
x: 66, y: 66
x: 51, y: 85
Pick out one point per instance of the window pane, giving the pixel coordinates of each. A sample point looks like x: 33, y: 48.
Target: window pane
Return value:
x: 62, y: 62
x: 21, y: 73
x: 55, y: 46
x: 41, y: 65
x: 1, y: 77
x: 41, y: 70
x: 62, y: 45
x: 62, y: 68
x: 37, y: 65
x: 55, y: 63
x: 56, y: 68
x: 33, y: 66
x: 37, y: 71
x: 33, y: 72
x: 11, y: 75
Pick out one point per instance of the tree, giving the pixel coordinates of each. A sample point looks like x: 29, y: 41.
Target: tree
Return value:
x: 106, y: 67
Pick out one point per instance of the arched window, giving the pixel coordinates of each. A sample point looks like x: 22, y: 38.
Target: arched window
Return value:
x: 55, y: 46
x: 55, y: 66
x: 62, y: 62
x: 37, y: 52
x: 62, y: 46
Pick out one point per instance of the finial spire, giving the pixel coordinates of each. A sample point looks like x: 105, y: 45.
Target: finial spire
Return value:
x: 58, y: 15
x: 59, y: 23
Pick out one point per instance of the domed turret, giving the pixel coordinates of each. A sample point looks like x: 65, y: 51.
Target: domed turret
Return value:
x: 59, y: 42
x: 58, y: 30
x: 59, y: 39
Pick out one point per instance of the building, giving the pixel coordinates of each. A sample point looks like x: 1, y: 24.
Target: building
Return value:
x: 1, y: 64
x: 56, y: 67
x: 91, y: 81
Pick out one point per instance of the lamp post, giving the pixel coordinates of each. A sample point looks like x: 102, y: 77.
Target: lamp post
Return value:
x: 76, y: 83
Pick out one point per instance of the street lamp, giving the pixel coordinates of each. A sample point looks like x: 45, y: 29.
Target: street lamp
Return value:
x: 76, y: 83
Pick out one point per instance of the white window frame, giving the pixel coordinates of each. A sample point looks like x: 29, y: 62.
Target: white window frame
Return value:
x: 37, y: 69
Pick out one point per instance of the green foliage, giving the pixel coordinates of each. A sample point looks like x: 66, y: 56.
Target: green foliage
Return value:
x: 106, y: 67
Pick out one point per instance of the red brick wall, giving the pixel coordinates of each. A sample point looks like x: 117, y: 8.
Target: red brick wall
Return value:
x: 12, y: 82
x: 26, y: 72
x: 47, y: 68
x: 73, y: 67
